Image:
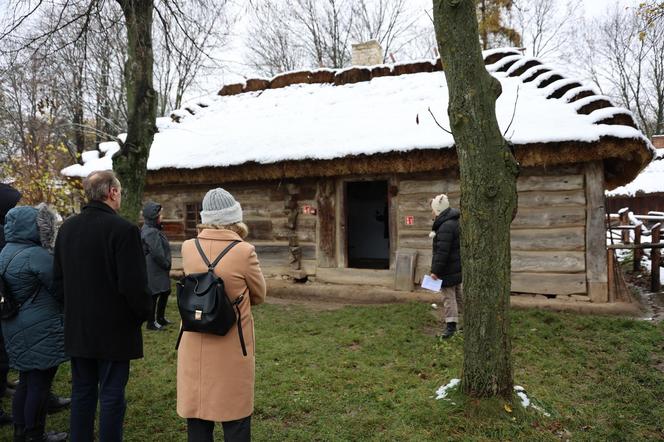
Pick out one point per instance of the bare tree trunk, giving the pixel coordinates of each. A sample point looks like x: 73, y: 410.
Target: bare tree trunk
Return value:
x: 488, y: 200
x: 131, y: 162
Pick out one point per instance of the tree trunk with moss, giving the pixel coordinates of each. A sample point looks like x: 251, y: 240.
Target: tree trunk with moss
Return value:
x: 488, y: 200
x: 131, y: 162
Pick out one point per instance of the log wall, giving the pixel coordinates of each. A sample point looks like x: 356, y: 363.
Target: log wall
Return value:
x: 549, y: 233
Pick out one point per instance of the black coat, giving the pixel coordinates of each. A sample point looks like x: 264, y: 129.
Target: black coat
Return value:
x: 100, y: 270
x: 446, y: 259
x: 157, y: 251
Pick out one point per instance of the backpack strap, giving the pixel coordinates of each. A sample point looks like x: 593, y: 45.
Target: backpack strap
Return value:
x: 213, y: 265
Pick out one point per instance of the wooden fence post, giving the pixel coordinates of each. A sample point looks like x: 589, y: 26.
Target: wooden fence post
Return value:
x: 655, y: 285
x: 624, y: 221
x: 611, y: 275
x: 638, y: 253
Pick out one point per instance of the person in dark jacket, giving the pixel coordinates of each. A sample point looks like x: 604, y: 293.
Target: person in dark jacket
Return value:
x: 446, y: 259
x: 9, y: 197
x: 34, y: 337
x: 100, y: 272
x: 158, y: 262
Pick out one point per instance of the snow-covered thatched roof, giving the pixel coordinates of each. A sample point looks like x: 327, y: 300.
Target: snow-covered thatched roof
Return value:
x: 360, y: 111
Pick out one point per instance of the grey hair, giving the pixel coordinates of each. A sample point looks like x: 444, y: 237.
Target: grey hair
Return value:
x: 99, y: 183
x: 240, y: 228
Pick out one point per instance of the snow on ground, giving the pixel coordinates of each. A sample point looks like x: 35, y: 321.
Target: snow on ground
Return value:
x: 323, y: 121
x: 442, y: 392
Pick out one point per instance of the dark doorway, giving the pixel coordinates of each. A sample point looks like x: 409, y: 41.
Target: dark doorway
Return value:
x: 367, y: 225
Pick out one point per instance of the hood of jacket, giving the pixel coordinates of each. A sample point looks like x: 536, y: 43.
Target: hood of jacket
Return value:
x: 47, y: 224
x: 21, y: 226
x: 151, y: 213
x: 445, y: 215
x: 9, y: 197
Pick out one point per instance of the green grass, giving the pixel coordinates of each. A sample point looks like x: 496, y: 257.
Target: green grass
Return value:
x: 370, y: 373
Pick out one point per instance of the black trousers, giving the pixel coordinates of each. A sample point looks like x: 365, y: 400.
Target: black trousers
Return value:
x: 4, y: 365
x: 199, y: 430
x: 95, y: 380
x: 159, y: 302
x: 30, y: 401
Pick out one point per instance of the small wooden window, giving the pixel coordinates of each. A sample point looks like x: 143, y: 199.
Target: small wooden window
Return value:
x: 192, y: 219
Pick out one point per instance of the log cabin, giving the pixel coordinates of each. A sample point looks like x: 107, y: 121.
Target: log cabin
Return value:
x: 335, y: 170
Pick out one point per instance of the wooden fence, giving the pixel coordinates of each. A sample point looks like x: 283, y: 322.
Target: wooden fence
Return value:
x: 639, y: 233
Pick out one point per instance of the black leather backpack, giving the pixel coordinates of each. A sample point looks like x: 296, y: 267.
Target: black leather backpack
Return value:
x: 203, y: 303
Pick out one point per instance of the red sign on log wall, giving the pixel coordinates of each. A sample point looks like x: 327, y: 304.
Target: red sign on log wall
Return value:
x: 410, y: 220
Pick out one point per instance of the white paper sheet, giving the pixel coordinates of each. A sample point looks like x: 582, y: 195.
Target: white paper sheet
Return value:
x: 431, y: 284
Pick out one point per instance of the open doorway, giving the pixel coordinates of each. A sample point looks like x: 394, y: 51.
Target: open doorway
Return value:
x: 367, y: 225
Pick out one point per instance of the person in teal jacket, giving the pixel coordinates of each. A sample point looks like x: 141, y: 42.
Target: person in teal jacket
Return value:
x: 34, y: 338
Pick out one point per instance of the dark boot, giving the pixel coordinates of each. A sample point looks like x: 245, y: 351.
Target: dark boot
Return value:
x: 161, y: 309
x: 56, y: 403
x: 154, y: 325
x: 19, y: 433
x: 449, y: 330
x: 37, y: 435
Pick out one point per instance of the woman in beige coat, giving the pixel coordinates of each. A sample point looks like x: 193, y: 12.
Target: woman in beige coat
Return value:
x: 215, y: 381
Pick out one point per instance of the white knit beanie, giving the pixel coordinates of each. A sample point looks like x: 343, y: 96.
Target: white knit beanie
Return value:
x: 440, y: 203
x: 220, y: 208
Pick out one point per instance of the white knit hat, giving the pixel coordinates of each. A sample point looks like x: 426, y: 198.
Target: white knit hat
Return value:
x: 440, y: 203
x: 220, y: 208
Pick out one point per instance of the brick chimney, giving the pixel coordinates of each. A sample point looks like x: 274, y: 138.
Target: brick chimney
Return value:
x: 658, y: 141
x: 367, y: 54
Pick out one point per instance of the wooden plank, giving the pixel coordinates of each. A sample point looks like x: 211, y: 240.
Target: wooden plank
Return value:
x: 259, y: 229
x: 569, y: 238
x: 405, y: 270
x: 423, y: 205
x: 550, y: 217
x: 655, y: 258
x: 382, y: 278
x: 549, y: 183
x: 429, y: 187
x: 596, y: 257
x: 393, y: 204
x: 326, y: 226
x: 277, y: 269
x: 548, y: 199
x: 549, y: 283
x: 548, y: 262
x: 281, y: 252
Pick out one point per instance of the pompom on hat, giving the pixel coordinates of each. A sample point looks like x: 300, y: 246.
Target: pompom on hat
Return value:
x: 440, y: 203
x: 220, y: 208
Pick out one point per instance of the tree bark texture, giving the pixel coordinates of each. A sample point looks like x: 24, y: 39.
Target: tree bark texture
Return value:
x: 488, y: 200
x: 131, y: 162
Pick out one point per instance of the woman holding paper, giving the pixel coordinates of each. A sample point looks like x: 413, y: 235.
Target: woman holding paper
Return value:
x: 446, y: 260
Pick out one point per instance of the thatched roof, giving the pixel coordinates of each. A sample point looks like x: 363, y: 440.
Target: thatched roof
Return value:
x: 379, y: 120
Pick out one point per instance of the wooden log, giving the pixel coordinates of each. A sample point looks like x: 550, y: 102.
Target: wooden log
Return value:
x: 624, y: 220
x: 638, y: 253
x: 549, y: 183
x: 596, y: 258
x: 548, y: 262
x: 550, y: 217
x: 655, y: 257
x: 429, y: 187
x: 555, y: 198
x: 563, y: 239
x: 549, y: 283
x: 382, y: 278
x: 611, y: 279
x: 326, y: 226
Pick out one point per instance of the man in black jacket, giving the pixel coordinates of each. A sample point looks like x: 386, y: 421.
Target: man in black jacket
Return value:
x: 446, y: 259
x: 100, y: 271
